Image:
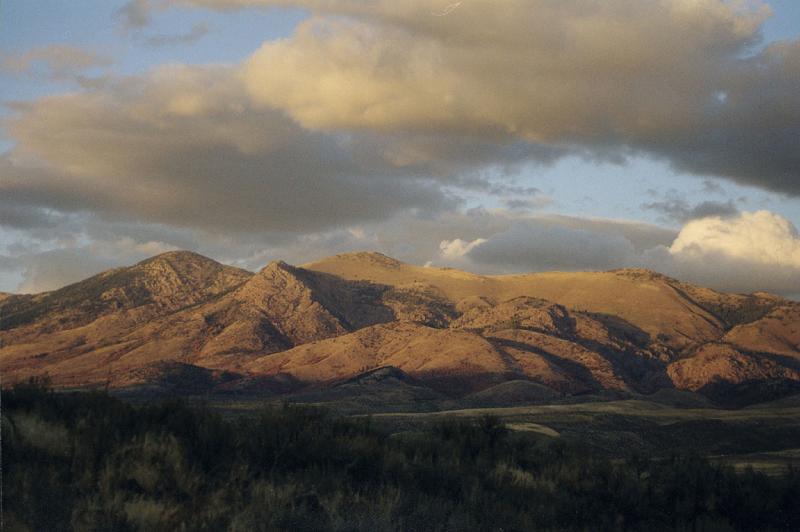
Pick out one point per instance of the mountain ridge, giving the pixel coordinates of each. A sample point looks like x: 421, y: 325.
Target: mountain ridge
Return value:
x: 310, y: 327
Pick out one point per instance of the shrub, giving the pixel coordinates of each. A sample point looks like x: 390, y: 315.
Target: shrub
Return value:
x: 91, y: 462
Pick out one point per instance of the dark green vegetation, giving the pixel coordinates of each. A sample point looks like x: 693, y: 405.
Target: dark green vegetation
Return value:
x: 87, y: 461
x: 616, y: 429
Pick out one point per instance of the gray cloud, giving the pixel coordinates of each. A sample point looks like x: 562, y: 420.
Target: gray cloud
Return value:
x: 527, y: 204
x: 135, y: 14
x: 753, y: 251
x: 24, y: 217
x: 337, y: 125
x: 350, y: 133
x: 184, y: 147
x: 57, y: 268
x: 40, y: 259
x: 748, y: 252
x: 54, y: 61
x: 677, y: 80
x: 753, y: 136
x: 721, y: 271
x: 642, y: 236
x: 197, y: 32
x: 502, y: 189
x: 8, y: 263
x: 411, y: 237
x: 537, y: 247
x: 711, y: 186
x: 678, y: 209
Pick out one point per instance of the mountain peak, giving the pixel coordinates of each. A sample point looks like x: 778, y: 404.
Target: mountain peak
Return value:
x: 641, y: 274
x: 178, y: 256
x: 276, y: 266
x: 166, y: 282
x: 372, y: 258
x: 767, y: 295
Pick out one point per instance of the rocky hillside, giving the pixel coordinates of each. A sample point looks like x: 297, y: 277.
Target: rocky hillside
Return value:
x: 361, y: 323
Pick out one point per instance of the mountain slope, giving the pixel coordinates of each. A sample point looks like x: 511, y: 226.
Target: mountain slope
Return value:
x: 420, y: 351
x: 53, y: 332
x: 650, y: 301
x: 777, y: 332
x: 162, y: 284
x: 273, y: 310
x: 180, y: 319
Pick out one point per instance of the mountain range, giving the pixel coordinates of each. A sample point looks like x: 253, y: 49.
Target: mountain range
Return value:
x: 363, y: 324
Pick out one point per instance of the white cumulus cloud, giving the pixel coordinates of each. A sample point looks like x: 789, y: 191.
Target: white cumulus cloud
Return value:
x: 760, y: 237
x: 457, y: 249
x: 753, y: 251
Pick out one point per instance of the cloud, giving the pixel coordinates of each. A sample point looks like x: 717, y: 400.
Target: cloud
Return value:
x: 356, y: 117
x: 457, y: 249
x: 42, y: 259
x: 55, y: 61
x: 674, y: 79
x: 683, y: 81
x: 754, y: 251
x: 361, y: 129
x: 531, y: 246
x: 748, y: 252
x: 679, y: 210
x: 753, y: 137
x: 24, y: 217
x: 711, y: 186
x: 183, y: 146
x: 135, y: 14
x: 197, y: 32
x: 509, y: 241
x: 453, y: 239
x: 527, y: 204
x: 758, y: 237
x: 642, y: 236
x: 411, y: 236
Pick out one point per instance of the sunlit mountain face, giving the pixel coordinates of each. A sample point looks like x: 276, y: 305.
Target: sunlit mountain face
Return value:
x: 183, y: 323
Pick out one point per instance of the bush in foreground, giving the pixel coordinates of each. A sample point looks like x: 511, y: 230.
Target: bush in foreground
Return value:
x: 87, y: 461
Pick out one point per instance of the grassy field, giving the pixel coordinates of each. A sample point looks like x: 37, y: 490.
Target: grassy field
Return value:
x: 757, y: 435
x: 764, y: 437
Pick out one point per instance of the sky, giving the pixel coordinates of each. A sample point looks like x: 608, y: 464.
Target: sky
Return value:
x: 496, y: 137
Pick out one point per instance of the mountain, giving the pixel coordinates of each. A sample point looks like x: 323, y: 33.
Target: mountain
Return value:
x: 154, y: 286
x: 647, y: 300
x: 366, y: 325
x: 778, y: 332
